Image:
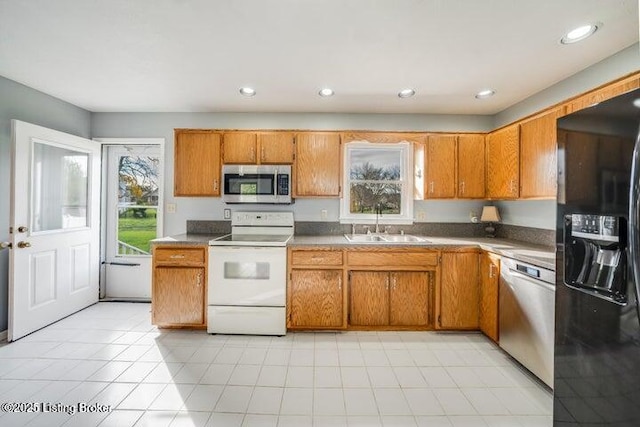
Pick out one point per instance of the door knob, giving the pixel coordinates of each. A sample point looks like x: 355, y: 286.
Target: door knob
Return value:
x: 22, y: 229
x: 23, y: 245
x: 5, y: 245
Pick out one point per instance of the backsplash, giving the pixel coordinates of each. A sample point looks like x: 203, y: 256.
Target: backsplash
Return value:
x: 442, y: 229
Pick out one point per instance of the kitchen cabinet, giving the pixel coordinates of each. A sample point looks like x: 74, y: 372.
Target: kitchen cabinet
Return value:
x: 317, y: 164
x: 178, y: 296
x: 196, y: 163
x: 503, y: 163
x: 394, y: 298
x: 489, y: 285
x: 240, y: 148
x: 471, y: 166
x: 391, y: 288
x: 538, y: 153
x: 457, y: 298
x: 315, y: 295
x: 258, y: 148
x: 441, y: 167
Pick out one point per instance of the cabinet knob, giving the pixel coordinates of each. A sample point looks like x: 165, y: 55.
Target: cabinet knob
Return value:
x: 462, y: 187
x: 176, y: 256
x: 215, y: 185
x: 262, y: 153
x: 491, y: 272
x: 431, y: 186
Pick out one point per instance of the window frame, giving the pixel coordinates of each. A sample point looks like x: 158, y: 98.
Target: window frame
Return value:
x: 405, y: 217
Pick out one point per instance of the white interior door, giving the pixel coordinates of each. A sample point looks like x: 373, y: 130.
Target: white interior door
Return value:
x: 133, y: 218
x: 55, y: 220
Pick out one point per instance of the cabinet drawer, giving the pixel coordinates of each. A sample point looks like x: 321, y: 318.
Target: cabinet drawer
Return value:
x: 316, y: 258
x: 392, y: 258
x: 187, y: 256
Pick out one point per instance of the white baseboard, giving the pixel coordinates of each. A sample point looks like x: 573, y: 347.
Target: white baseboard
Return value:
x: 3, y: 335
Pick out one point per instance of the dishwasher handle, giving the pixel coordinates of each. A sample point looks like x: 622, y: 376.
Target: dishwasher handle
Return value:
x: 532, y: 280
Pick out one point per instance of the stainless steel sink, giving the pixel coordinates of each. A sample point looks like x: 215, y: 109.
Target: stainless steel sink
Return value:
x: 384, y: 238
x: 364, y: 238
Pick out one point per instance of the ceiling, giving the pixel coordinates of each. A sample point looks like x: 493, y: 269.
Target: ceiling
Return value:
x: 194, y: 55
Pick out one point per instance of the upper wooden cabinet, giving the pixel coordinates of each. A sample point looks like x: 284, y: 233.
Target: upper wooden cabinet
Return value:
x: 440, y: 167
x: 275, y: 148
x: 317, y: 164
x: 258, y: 148
x: 503, y: 163
x: 471, y: 166
x: 538, y: 153
x: 458, y: 295
x: 196, y: 163
x: 240, y: 148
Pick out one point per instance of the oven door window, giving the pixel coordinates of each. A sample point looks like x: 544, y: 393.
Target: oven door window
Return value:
x: 249, y: 184
x: 246, y: 270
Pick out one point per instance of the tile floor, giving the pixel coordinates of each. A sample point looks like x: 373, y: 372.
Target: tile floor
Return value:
x: 110, y: 354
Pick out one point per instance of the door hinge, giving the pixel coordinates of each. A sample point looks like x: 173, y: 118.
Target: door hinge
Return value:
x: 439, y: 320
x: 349, y: 277
x: 440, y: 259
x: 10, y: 230
x: 290, y: 276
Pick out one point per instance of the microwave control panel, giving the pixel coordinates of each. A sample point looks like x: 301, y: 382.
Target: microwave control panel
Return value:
x: 283, y: 185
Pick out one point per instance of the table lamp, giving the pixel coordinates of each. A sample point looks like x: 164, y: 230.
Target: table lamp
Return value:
x: 490, y: 215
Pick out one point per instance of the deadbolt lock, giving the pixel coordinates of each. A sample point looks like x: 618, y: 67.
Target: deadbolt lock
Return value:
x: 23, y: 245
x: 22, y: 229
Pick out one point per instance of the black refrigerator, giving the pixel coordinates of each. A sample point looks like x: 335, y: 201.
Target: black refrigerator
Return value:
x: 597, y: 332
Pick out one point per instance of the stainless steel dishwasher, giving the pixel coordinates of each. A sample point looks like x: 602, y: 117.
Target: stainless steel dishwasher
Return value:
x: 526, y: 316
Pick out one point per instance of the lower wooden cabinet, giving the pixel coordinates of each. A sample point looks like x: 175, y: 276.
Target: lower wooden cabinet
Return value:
x: 178, y: 297
x: 396, y: 298
x: 315, y: 299
x: 458, y: 293
x: 489, y: 285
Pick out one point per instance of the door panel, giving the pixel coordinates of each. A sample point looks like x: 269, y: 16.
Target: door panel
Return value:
x: 409, y: 299
x: 316, y: 298
x: 369, y: 298
x: 55, y: 215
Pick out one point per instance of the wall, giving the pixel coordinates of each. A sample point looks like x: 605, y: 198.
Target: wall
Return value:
x: 23, y: 103
x: 161, y: 125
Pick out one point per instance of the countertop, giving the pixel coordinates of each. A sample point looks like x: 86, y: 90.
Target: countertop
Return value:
x: 541, y: 256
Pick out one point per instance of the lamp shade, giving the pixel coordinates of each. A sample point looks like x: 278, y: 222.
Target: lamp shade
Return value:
x: 490, y: 214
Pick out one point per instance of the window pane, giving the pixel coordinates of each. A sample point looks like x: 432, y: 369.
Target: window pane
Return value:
x: 375, y: 164
x: 137, y: 203
x: 60, y: 188
x: 136, y: 227
x: 365, y: 196
x: 138, y: 180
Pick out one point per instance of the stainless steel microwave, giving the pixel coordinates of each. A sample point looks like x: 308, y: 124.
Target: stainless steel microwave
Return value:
x: 256, y: 184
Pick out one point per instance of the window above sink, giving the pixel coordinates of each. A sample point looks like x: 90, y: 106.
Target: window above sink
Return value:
x: 377, y: 177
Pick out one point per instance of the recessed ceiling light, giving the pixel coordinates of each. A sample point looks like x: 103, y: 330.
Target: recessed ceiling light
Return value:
x: 406, y: 93
x: 580, y: 33
x: 326, y: 92
x: 247, y: 91
x: 485, y: 93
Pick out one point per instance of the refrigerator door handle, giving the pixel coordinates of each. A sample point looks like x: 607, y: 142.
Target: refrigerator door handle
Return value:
x: 634, y: 220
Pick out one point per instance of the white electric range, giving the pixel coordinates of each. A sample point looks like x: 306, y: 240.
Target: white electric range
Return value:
x: 248, y: 275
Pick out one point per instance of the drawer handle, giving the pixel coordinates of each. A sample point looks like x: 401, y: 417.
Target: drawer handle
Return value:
x: 177, y: 257
x: 316, y: 258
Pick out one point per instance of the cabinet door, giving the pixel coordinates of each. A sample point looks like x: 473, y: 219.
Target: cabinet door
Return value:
x: 369, y: 302
x: 471, y: 167
x: 503, y: 163
x: 317, y: 165
x: 240, y: 148
x: 197, y: 164
x: 409, y: 298
x: 538, y: 148
x: 489, y: 276
x: 441, y: 167
x: 178, y: 296
x: 276, y: 148
x: 316, y: 299
x: 459, y: 294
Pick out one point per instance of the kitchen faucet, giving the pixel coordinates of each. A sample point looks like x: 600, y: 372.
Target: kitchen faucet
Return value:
x: 378, y: 213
